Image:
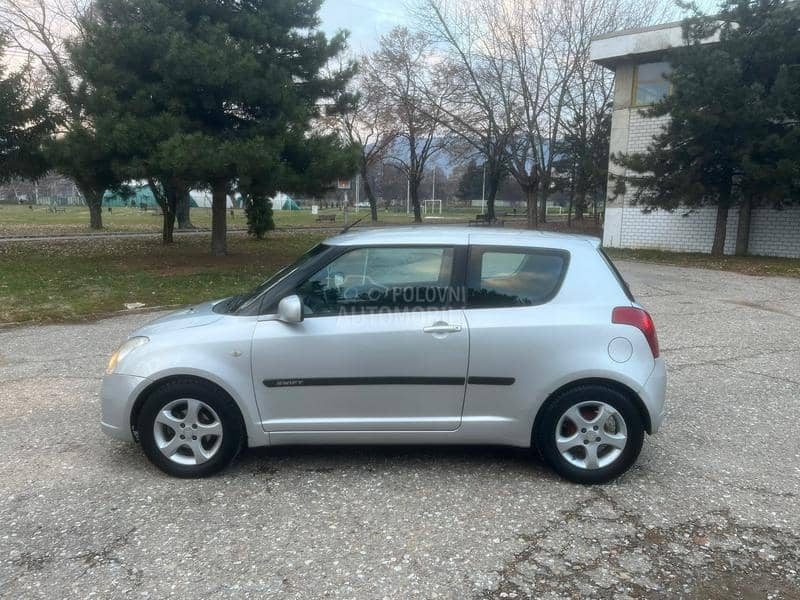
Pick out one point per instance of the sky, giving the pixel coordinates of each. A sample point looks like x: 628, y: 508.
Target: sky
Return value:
x: 366, y: 20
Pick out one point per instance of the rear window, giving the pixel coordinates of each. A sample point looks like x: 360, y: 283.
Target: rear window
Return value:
x: 617, y: 275
x: 507, y: 277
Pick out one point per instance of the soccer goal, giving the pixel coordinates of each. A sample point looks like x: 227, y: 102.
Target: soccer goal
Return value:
x: 432, y: 207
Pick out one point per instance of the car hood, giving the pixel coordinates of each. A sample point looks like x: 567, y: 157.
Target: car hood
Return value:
x: 193, y: 316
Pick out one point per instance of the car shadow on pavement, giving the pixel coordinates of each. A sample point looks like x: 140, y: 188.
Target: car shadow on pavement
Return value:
x: 323, y: 459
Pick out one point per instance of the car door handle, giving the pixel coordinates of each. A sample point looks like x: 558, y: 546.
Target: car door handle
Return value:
x: 442, y: 328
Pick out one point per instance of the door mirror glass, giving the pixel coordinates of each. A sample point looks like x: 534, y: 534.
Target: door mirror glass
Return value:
x: 290, y: 309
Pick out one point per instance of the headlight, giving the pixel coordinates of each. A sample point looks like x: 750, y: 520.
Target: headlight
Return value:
x: 127, y: 347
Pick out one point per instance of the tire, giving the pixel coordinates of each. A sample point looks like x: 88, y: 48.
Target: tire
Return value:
x: 573, y: 420
x: 200, y: 455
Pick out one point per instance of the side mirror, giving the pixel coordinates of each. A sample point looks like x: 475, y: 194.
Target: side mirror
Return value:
x: 290, y: 309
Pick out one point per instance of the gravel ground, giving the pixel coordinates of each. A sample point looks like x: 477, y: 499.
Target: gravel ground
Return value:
x: 710, y: 510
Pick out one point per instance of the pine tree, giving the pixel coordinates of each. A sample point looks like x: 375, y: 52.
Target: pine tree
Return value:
x: 214, y: 93
x: 732, y: 135
x: 25, y: 123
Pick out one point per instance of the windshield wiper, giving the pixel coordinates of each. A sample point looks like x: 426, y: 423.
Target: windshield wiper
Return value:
x: 234, y: 302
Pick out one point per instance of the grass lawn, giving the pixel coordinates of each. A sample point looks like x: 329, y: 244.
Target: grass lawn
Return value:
x: 21, y: 220
x: 18, y: 220
x: 65, y: 280
x: 749, y: 265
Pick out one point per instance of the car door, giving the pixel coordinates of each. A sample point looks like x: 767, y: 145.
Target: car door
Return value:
x: 383, y: 346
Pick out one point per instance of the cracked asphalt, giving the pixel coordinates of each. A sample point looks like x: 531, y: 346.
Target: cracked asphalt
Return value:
x: 709, y: 511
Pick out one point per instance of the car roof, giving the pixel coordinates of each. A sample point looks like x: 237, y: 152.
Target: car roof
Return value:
x: 460, y: 236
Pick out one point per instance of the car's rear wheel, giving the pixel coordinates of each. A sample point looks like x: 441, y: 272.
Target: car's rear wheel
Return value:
x: 189, y: 428
x: 590, y: 433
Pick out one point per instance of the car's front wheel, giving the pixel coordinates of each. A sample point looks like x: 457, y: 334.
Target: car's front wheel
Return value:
x: 189, y: 428
x: 590, y: 434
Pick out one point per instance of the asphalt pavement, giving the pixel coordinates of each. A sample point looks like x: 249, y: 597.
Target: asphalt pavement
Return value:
x: 709, y: 511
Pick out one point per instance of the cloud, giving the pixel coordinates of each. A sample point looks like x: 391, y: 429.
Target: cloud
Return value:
x: 366, y: 20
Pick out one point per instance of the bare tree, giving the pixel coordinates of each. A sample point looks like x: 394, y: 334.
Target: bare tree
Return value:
x: 362, y: 116
x: 477, y: 111
x: 402, y: 70
x: 518, y: 63
x: 522, y: 34
x: 41, y: 30
x: 540, y: 43
x: 514, y: 62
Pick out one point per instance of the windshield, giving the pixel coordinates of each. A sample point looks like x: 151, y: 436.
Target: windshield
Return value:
x: 244, y: 301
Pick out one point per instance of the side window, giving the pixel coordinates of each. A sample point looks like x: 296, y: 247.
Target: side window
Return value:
x: 513, y: 276
x: 650, y: 83
x: 380, y: 279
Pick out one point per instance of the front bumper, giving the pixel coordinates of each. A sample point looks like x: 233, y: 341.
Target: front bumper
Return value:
x: 117, y: 395
x: 654, y: 393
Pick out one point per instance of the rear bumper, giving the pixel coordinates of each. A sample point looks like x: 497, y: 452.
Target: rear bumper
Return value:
x: 654, y: 393
x: 117, y: 395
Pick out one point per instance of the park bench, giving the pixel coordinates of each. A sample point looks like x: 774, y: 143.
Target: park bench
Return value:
x: 328, y: 218
x: 484, y: 221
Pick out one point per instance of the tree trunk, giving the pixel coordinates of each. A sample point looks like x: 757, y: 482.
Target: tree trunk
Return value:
x: 219, y: 217
x: 95, y: 212
x: 544, y: 193
x: 493, y: 182
x: 580, y: 206
x: 94, y: 201
x: 743, y: 228
x: 166, y: 195
x: 167, y: 227
x: 569, y: 209
x: 172, y: 194
x: 530, y: 200
x: 373, y: 205
x: 182, y: 210
x: 721, y: 230
x: 415, y: 203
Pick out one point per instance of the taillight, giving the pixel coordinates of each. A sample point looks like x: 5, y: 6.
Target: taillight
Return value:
x: 630, y: 315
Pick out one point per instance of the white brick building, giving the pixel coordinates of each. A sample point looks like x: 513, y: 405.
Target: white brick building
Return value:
x: 638, y: 59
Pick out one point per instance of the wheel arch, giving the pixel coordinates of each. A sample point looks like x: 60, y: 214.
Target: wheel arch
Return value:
x: 158, y: 383
x: 609, y: 383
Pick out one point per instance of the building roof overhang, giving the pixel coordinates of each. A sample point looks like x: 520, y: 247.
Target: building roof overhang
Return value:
x: 641, y: 44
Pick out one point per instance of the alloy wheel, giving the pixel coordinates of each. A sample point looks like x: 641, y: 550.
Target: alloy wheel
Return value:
x: 591, y: 435
x: 188, y: 431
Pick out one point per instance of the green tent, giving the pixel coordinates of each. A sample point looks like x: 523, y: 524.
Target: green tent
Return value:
x: 139, y: 196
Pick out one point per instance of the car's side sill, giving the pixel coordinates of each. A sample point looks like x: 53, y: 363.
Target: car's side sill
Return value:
x: 473, y: 430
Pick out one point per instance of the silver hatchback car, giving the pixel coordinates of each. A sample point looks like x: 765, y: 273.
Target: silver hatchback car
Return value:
x: 432, y: 335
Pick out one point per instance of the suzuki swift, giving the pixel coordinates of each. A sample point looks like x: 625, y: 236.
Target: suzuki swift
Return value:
x: 428, y: 335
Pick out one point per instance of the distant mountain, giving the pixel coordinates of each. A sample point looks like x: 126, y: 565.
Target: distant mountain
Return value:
x: 446, y: 159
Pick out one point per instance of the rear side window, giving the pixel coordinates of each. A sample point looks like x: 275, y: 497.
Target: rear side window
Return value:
x: 506, y: 277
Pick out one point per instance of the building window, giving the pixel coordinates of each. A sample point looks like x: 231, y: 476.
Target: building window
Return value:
x: 650, y: 83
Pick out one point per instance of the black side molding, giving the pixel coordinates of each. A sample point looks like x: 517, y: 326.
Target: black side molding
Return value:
x: 491, y: 380
x: 331, y: 381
